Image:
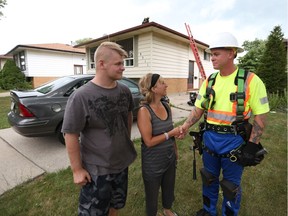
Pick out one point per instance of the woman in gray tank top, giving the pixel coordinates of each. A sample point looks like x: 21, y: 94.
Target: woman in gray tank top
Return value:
x: 158, y: 148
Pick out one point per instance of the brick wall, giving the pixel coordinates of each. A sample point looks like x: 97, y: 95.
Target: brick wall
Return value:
x: 37, y: 81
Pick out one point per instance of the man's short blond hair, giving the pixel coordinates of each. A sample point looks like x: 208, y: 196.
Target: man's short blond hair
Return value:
x: 101, y: 51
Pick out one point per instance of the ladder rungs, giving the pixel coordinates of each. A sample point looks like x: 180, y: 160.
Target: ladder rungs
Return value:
x: 195, y: 51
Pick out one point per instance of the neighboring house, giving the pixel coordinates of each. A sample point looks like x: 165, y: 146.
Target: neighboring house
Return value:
x: 3, y: 60
x: 44, y: 62
x: 153, y: 48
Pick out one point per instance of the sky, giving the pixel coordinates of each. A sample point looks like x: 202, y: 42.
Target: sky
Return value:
x: 64, y: 21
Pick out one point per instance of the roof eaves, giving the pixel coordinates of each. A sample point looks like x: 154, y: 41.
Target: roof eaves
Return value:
x: 146, y: 25
x: 6, y: 57
x: 42, y: 48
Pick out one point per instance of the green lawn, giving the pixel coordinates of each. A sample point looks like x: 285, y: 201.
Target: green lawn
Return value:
x: 264, y: 186
x: 4, y: 109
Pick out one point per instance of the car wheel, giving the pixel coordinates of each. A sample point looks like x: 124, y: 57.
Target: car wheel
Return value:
x: 60, y: 135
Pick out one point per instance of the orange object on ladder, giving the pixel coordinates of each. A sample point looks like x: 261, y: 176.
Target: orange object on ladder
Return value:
x: 195, y: 51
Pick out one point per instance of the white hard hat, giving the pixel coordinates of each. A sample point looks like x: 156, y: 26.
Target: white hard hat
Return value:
x: 224, y: 40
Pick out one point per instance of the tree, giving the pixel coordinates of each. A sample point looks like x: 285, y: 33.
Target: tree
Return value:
x: 272, y: 68
x: 83, y: 40
x: 2, y: 4
x: 255, y: 50
x: 11, y: 77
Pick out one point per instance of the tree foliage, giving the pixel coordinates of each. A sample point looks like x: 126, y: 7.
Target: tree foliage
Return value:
x: 2, y: 4
x: 83, y: 40
x: 11, y: 77
x: 272, y: 67
x: 255, y: 50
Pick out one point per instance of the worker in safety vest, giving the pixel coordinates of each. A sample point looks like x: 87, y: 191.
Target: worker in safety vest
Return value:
x: 229, y: 142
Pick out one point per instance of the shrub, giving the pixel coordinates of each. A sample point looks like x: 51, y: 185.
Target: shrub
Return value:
x: 278, y: 101
x: 11, y: 77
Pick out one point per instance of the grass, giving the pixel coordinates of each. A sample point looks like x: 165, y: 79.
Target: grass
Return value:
x: 4, y: 109
x: 2, y: 90
x: 264, y: 186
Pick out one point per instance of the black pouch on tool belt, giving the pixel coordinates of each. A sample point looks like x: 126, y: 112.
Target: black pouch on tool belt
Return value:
x: 244, y: 129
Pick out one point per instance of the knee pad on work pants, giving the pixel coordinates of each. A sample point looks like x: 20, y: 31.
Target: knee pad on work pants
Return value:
x: 207, y: 180
x: 232, y: 197
x: 229, y: 189
x: 207, y: 177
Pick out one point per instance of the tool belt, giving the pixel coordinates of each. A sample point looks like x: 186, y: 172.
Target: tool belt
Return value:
x: 232, y: 155
x: 221, y: 128
x: 242, y: 128
x: 237, y: 128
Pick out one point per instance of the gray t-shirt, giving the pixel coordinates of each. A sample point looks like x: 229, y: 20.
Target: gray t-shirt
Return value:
x: 100, y: 115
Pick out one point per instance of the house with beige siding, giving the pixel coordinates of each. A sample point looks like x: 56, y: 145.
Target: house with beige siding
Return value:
x: 153, y: 48
x: 44, y: 62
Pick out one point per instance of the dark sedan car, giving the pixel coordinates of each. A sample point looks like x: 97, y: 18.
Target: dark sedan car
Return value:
x: 39, y: 112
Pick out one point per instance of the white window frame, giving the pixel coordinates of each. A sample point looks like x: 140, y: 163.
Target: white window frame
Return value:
x: 128, y: 62
x: 207, y: 56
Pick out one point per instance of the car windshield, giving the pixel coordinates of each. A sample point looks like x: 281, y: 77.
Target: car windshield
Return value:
x: 50, y: 86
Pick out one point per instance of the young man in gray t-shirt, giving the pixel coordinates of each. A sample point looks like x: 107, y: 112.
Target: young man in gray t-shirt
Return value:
x: 97, y: 127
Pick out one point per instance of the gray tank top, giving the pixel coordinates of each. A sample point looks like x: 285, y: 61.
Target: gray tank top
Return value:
x: 157, y: 159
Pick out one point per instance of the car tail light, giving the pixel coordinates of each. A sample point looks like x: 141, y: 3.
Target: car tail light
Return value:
x: 24, y: 112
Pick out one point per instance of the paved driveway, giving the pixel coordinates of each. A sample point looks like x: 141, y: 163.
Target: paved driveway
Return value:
x: 24, y: 158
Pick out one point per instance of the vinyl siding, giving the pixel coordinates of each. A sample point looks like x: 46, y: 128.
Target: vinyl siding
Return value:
x: 207, y: 65
x: 143, y: 65
x: 168, y: 57
x: 52, y: 64
x: 159, y: 55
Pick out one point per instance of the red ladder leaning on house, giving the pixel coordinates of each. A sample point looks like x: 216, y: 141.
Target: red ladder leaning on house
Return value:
x: 195, y: 52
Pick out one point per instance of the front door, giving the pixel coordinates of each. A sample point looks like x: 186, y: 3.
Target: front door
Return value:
x: 190, y: 81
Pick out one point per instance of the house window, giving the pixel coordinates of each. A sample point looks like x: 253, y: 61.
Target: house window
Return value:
x: 78, y: 69
x: 19, y: 60
x: 206, y: 56
x: 22, y: 61
x: 91, y: 54
x: 126, y: 44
